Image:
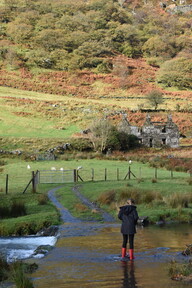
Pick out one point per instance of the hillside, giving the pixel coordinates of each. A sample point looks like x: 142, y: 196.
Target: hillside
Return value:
x: 65, y: 36
x: 90, y: 58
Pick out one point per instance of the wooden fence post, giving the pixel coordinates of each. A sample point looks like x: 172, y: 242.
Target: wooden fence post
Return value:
x: 7, y: 184
x: 33, y: 182
x: 105, y: 174
x: 129, y: 173
x: 155, y: 172
x: 117, y: 174
x: 171, y: 174
x: 92, y: 174
x: 37, y: 177
x: 75, y: 175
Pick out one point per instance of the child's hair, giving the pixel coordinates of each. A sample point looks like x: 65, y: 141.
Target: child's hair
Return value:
x: 131, y: 201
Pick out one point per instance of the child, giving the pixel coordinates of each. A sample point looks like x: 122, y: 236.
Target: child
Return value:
x: 128, y: 215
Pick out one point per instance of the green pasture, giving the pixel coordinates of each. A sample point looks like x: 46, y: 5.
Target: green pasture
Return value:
x: 33, y: 114
x: 101, y: 170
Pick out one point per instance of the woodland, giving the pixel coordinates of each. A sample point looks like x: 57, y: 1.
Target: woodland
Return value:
x: 67, y: 36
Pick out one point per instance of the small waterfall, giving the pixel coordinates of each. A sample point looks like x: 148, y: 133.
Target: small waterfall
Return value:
x: 19, y: 248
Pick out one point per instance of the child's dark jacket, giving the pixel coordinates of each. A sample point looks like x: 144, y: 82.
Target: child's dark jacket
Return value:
x: 128, y: 215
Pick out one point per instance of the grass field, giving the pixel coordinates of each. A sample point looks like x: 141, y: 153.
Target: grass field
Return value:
x: 19, y: 175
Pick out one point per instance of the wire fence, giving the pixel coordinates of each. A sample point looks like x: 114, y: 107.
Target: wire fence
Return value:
x: 29, y: 182
x: 14, y: 184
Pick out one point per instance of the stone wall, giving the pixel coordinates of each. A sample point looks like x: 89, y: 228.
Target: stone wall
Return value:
x: 153, y: 134
x: 182, y: 9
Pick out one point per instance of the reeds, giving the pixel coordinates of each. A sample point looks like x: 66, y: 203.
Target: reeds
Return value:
x: 42, y: 199
x: 107, y: 198
x: 140, y: 196
x: 178, y: 270
x: 16, y: 272
x: 16, y: 209
x: 4, y: 267
x: 179, y: 200
x: 19, y: 277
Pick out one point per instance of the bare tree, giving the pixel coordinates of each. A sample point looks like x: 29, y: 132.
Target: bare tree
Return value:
x: 100, y: 131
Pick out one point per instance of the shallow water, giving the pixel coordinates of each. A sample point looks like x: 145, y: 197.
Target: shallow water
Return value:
x: 88, y: 255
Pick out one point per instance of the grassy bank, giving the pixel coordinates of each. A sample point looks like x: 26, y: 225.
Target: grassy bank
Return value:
x: 26, y: 214
x: 16, y: 273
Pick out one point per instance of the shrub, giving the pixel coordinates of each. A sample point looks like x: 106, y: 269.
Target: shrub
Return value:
x: 107, y: 198
x: 81, y: 144
x: 154, y: 61
x: 132, y: 193
x: 150, y: 196
x: 2, y: 163
x: 128, y: 184
x: 43, y: 199
x: 140, y: 180
x: 4, y: 212
x: 179, y: 200
x: 189, y: 181
x: 176, y: 73
x: 17, y: 209
x: 80, y: 207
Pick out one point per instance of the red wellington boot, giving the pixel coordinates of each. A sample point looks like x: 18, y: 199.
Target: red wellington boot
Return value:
x: 123, y: 252
x: 131, y: 254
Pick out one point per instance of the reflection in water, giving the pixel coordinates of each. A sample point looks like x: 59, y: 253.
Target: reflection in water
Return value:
x: 128, y: 274
x: 88, y: 256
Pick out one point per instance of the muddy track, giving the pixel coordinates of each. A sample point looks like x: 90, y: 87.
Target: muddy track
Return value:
x: 66, y: 215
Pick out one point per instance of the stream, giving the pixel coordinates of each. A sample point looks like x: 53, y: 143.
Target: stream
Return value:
x: 88, y: 254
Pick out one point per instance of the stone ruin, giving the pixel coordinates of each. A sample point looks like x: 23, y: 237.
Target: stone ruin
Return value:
x: 153, y: 134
